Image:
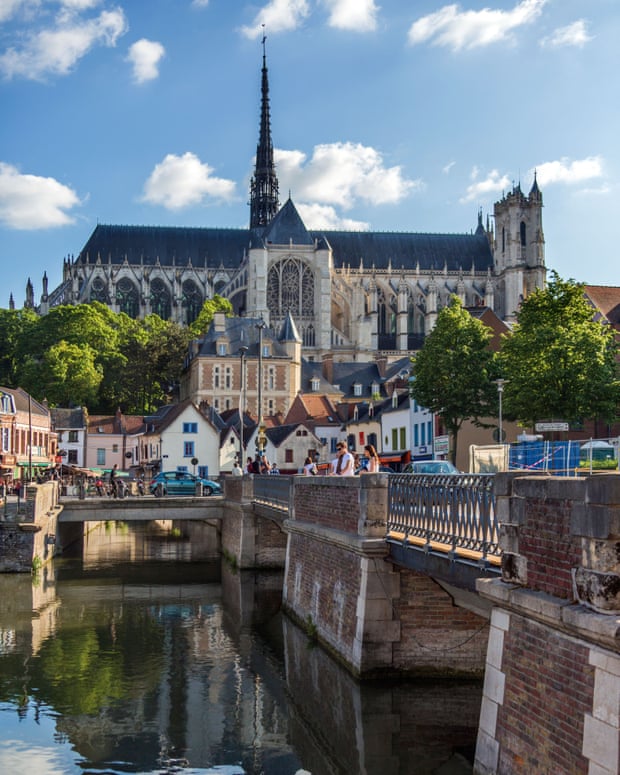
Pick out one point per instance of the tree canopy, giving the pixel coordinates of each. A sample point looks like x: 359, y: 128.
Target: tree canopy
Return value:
x: 559, y: 362
x: 454, y: 370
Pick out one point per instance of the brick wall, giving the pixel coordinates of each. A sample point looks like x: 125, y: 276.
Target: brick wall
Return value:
x: 436, y: 635
x: 330, y: 502
x: 549, y: 690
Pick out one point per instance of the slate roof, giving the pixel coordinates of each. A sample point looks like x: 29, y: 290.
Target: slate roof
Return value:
x: 349, y: 373
x: 20, y: 398
x: 215, y: 247
x: 240, y: 332
x: 68, y: 419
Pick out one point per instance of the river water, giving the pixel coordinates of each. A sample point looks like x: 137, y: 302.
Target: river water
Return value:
x: 145, y: 653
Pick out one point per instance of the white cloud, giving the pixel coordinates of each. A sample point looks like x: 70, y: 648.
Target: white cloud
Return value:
x: 341, y: 174
x: 278, y: 16
x: 29, y: 202
x: 456, y: 29
x: 8, y: 8
x: 56, y: 51
x: 448, y: 167
x: 356, y: 15
x: 144, y: 56
x: 200, y: 3
x: 479, y: 189
x: 569, y: 172
x: 317, y: 216
x: 184, y: 181
x: 575, y: 34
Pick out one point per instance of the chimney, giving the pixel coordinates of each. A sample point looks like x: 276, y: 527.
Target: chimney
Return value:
x: 219, y: 324
x: 381, y: 361
x: 328, y: 367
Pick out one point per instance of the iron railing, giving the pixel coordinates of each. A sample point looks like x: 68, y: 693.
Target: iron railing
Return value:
x: 273, y: 491
x: 452, y: 514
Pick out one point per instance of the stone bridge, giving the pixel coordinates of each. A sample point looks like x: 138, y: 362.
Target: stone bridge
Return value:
x: 541, y: 621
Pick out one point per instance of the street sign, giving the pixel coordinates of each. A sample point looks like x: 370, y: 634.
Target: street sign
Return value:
x: 541, y: 427
x: 441, y: 445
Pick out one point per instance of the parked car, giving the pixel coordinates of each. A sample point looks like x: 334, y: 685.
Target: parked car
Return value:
x: 430, y: 467
x: 182, y: 483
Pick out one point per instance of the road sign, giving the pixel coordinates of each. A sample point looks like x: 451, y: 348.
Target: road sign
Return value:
x: 541, y: 427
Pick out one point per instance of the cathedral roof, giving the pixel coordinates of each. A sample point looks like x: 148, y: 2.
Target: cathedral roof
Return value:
x: 409, y: 249
x: 170, y: 245
x: 213, y: 247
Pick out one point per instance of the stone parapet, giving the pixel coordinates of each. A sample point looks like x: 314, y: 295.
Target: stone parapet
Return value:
x: 562, y: 536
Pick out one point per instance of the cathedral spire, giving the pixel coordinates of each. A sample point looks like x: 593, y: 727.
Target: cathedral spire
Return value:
x: 264, y: 185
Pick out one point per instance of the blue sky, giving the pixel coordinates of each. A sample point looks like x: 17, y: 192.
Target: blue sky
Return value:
x: 391, y: 115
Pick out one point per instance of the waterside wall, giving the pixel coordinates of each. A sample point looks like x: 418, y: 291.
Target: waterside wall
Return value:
x: 28, y: 528
x: 551, y: 697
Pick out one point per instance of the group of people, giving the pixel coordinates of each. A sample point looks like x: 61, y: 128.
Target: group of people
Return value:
x: 347, y: 464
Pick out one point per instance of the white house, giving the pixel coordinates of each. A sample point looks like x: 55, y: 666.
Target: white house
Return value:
x: 180, y: 438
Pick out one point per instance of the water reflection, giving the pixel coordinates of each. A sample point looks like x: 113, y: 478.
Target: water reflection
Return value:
x: 112, y: 666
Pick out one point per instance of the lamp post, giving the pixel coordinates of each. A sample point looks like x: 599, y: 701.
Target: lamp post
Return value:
x: 242, y: 380
x: 500, y: 392
x: 261, y: 438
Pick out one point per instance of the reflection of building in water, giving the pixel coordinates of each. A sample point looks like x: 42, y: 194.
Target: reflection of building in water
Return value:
x: 29, y: 610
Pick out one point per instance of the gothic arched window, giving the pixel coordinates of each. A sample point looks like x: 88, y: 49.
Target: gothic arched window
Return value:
x: 160, y: 299
x: 387, y: 314
x: 290, y: 288
x: 522, y: 234
x: 127, y: 298
x: 192, y: 301
x: 98, y: 291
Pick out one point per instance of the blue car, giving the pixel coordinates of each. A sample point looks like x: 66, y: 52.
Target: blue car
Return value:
x: 182, y: 483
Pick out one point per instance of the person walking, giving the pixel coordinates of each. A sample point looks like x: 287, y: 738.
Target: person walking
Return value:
x: 372, y: 460
x: 310, y: 468
x: 114, y: 481
x: 342, y: 465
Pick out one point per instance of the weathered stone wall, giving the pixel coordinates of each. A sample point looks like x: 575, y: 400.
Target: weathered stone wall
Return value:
x: 28, y: 529
x: 551, y: 700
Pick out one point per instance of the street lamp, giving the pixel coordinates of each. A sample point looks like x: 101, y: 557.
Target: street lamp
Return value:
x: 242, y: 380
x: 261, y: 438
x: 500, y: 392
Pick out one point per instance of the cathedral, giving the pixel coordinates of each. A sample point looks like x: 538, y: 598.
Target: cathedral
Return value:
x: 354, y: 294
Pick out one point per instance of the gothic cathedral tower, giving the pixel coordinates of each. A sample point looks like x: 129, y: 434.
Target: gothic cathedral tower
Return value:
x: 519, y: 249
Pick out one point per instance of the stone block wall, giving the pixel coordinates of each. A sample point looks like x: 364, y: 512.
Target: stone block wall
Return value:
x: 551, y: 698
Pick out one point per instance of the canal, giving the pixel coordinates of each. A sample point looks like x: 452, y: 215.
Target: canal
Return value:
x: 143, y: 652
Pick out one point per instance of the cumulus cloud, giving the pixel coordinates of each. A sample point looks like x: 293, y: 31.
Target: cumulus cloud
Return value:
x: 278, y: 16
x: 569, y: 172
x: 184, y: 181
x: 56, y: 50
x: 457, y: 29
x: 355, y: 15
x: 317, y: 216
x: 342, y: 174
x: 479, y: 189
x: 575, y: 34
x: 200, y: 3
x: 29, y: 202
x: 145, y: 56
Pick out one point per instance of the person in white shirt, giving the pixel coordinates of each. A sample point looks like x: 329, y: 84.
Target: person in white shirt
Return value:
x: 342, y: 465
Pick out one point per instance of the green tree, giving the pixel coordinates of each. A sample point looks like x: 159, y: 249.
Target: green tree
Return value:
x: 205, y: 316
x: 454, y: 371
x: 66, y: 374
x: 15, y: 326
x: 560, y: 363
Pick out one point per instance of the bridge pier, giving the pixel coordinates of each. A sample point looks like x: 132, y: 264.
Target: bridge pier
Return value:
x: 374, y: 617
x: 252, y: 538
x: 551, y: 699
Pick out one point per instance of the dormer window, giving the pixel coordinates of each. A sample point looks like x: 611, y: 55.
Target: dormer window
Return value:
x: 315, y: 383
x: 374, y: 388
x: 357, y: 389
x: 266, y: 352
x: 222, y: 349
x: 394, y: 400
